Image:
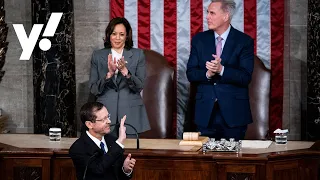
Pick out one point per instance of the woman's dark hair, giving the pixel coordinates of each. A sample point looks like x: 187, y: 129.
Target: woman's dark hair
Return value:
x: 110, y: 28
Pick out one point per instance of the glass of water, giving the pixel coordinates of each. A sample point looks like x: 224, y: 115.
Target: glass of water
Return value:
x: 55, y: 134
x: 281, y: 138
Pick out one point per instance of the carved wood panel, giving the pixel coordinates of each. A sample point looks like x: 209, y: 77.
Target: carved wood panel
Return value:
x: 240, y: 176
x: 63, y: 169
x: 17, y: 168
x: 283, y: 170
x: 228, y: 171
x: 27, y: 173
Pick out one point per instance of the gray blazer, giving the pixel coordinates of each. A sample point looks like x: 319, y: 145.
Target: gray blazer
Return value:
x: 120, y: 95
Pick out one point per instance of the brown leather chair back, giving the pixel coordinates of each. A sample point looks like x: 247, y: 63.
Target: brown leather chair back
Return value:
x: 158, y: 96
x: 259, y: 93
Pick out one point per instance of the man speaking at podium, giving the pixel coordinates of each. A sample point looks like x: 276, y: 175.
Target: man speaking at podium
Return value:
x: 97, y: 154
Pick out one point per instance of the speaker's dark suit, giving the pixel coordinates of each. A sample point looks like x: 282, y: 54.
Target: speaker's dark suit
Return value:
x: 231, y: 89
x: 102, y: 166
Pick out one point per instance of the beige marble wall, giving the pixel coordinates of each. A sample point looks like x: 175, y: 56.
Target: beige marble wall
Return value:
x: 91, y: 19
x: 295, y: 69
x: 16, y: 89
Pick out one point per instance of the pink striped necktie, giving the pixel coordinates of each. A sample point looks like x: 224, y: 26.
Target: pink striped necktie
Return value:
x: 219, y: 46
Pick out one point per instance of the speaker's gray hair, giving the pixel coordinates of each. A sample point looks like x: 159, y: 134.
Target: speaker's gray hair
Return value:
x: 227, y: 6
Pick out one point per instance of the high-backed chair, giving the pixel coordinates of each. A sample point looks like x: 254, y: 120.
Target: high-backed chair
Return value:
x: 158, y: 96
x: 259, y: 93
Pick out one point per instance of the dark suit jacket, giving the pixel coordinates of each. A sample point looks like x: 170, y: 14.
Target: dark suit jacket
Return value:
x: 108, y: 166
x: 230, y: 89
x: 121, y: 96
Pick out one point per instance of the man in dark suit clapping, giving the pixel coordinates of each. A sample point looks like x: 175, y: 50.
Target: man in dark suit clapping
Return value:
x: 97, y: 154
x: 221, y: 64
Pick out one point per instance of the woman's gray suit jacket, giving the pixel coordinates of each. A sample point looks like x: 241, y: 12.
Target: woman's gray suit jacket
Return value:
x: 120, y: 95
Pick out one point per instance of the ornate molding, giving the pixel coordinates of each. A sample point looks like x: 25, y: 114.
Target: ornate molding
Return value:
x: 24, y: 172
x: 3, y: 38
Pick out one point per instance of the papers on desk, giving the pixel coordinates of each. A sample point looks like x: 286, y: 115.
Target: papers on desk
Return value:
x: 255, y: 144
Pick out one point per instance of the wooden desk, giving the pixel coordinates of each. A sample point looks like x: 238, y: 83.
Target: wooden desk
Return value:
x: 19, y: 160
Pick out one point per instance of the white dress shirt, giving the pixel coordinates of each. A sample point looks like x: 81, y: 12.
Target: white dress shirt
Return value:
x: 223, y: 42
x: 224, y: 37
x: 118, y: 56
x: 97, y: 142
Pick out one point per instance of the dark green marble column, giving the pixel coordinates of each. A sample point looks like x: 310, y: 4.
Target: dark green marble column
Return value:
x: 311, y: 127
x: 54, y: 70
x: 3, y: 38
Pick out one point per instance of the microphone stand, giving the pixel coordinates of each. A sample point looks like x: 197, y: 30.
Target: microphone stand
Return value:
x: 135, y: 130
x: 89, y: 160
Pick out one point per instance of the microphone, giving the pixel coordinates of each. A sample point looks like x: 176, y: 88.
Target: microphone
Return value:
x: 135, y: 131
x: 85, y: 170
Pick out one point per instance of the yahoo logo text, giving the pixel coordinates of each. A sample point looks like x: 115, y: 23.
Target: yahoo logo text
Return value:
x: 28, y: 43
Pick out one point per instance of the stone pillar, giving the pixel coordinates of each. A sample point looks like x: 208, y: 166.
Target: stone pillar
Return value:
x: 311, y: 127
x: 3, y: 50
x: 3, y: 38
x: 54, y: 70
